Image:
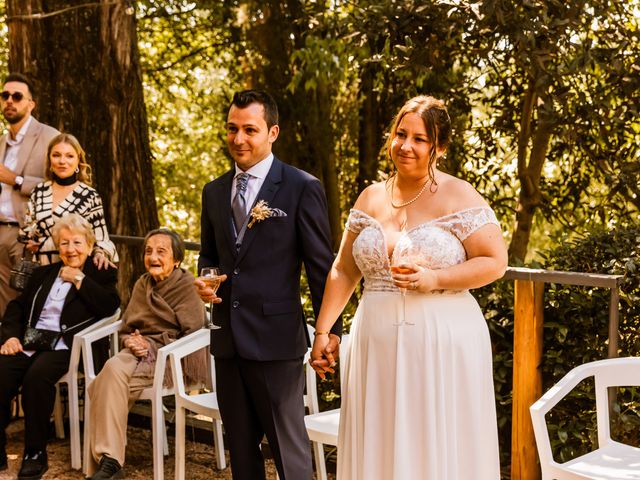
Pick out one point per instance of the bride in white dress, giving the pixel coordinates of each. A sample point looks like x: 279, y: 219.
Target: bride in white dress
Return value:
x: 418, y: 397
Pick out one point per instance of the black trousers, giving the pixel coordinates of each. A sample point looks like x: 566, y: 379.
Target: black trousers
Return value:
x: 258, y: 399
x: 38, y: 376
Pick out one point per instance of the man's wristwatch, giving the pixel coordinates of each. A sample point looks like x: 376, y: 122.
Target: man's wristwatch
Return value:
x: 18, y: 182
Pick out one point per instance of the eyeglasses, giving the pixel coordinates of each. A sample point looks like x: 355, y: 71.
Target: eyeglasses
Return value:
x: 16, y: 96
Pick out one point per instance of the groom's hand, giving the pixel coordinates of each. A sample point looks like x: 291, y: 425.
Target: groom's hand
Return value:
x: 206, y: 293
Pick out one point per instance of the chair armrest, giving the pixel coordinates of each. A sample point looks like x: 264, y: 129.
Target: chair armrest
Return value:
x: 189, y: 344
x: 163, y: 354
x: 77, y: 346
x: 87, y: 341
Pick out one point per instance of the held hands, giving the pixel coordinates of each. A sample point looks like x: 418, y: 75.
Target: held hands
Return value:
x: 415, y: 278
x: 324, y: 353
x: 206, y: 293
x: 11, y: 347
x: 138, y: 345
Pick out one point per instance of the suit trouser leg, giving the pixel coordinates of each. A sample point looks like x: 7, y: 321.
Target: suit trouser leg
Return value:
x: 10, y: 253
x: 243, y: 432
x: 112, y: 393
x: 271, y: 396
x: 12, y: 371
x: 39, y: 395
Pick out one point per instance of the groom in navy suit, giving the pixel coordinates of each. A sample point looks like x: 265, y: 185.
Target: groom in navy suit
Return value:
x: 260, y: 222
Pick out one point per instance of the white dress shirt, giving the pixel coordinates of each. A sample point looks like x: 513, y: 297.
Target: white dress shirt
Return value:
x: 11, y: 162
x: 257, y: 175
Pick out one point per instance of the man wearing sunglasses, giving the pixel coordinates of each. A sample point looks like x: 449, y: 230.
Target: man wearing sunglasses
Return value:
x: 23, y: 151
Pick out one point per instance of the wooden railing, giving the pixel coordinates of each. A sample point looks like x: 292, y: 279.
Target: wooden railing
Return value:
x: 527, y: 352
x: 527, y: 347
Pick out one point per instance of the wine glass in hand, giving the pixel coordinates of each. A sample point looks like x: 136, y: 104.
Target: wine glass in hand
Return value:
x: 400, y: 267
x: 211, y: 277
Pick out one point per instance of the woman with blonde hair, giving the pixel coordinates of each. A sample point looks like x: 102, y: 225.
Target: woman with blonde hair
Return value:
x: 67, y: 189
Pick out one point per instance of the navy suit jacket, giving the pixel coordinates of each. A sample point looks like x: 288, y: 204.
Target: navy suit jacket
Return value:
x: 261, y: 314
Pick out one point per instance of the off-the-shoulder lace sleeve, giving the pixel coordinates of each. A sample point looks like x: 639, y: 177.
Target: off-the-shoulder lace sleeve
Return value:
x: 464, y: 223
x: 357, y: 221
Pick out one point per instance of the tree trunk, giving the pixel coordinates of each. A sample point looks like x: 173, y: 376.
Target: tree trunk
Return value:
x: 85, y: 64
x: 529, y: 173
x: 369, y: 137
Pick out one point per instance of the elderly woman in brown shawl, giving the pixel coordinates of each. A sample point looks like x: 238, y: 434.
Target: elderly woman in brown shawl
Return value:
x: 163, y: 307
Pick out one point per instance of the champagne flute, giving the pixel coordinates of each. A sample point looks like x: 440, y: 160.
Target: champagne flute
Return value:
x: 211, y: 276
x: 398, y: 267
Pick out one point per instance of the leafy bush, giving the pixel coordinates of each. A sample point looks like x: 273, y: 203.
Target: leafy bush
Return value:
x: 576, y: 323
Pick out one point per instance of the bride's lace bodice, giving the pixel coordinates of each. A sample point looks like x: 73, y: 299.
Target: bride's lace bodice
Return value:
x: 435, y: 244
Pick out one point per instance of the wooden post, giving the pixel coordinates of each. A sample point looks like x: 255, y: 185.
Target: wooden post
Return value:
x: 527, y: 377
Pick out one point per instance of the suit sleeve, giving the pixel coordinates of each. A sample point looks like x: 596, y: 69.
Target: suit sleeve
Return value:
x: 314, y: 235
x: 98, y: 290
x: 208, y: 249
x: 16, y: 315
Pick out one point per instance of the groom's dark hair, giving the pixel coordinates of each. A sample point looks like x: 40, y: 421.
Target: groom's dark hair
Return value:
x: 247, y: 97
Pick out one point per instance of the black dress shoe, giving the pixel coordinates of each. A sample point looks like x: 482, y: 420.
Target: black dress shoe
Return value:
x: 33, y: 466
x: 109, y: 469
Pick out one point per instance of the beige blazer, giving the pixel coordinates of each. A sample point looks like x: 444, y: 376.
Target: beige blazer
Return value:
x: 31, y: 163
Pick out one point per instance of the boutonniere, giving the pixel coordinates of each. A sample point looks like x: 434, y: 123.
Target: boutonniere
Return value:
x: 261, y: 211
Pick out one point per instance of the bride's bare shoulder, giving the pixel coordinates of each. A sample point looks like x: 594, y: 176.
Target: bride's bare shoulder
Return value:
x: 458, y: 194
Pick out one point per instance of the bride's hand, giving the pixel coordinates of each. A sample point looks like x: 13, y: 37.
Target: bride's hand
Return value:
x: 420, y: 279
x: 320, y: 360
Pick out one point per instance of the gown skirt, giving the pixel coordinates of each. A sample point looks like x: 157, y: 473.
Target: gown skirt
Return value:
x: 418, y: 400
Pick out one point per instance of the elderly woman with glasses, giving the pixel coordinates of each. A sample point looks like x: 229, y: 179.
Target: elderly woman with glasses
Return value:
x: 163, y: 307
x: 37, y: 331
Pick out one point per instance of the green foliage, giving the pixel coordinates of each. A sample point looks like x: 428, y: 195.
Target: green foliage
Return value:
x: 575, y: 332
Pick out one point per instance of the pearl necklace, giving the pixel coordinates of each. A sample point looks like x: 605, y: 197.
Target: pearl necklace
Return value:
x: 404, y: 204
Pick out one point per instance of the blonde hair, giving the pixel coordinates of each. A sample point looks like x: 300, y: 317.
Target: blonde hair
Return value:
x: 436, y: 123
x: 84, y: 174
x: 74, y: 223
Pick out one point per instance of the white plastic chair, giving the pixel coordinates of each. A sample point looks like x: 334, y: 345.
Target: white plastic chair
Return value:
x: 153, y: 393
x: 322, y: 427
x: 204, y: 403
x: 611, y: 460
x: 71, y: 379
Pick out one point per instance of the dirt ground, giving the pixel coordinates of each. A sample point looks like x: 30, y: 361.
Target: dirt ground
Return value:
x: 138, y: 466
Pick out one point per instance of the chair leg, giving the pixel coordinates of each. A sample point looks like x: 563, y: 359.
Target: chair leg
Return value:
x: 180, y: 443
x: 58, y: 414
x: 218, y: 443
x: 159, y: 439
x: 321, y: 467
x: 74, y: 426
x: 86, y: 447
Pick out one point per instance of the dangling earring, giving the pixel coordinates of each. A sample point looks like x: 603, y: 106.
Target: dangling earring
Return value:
x: 77, y: 170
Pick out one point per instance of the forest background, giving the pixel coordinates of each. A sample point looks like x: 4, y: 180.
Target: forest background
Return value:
x: 543, y: 95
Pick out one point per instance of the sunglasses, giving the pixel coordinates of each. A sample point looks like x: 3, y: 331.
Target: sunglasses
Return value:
x: 17, y: 96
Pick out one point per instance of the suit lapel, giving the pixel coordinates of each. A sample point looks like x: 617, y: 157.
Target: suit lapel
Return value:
x: 3, y: 146
x: 27, y: 144
x: 267, y: 193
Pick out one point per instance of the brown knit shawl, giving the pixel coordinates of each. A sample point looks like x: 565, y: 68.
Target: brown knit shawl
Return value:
x: 162, y: 312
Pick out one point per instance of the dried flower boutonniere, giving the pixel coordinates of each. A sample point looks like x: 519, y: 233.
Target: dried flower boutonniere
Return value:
x: 261, y: 211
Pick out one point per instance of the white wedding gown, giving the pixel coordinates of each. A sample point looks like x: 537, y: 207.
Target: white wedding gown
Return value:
x: 417, y: 400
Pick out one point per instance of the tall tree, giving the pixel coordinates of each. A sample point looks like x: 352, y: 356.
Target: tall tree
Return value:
x: 85, y: 65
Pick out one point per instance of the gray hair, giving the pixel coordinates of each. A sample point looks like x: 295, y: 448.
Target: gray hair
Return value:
x: 74, y: 223
x: 177, y: 245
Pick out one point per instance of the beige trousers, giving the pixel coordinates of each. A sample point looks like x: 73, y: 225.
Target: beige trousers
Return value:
x: 10, y: 253
x: 112, y: 395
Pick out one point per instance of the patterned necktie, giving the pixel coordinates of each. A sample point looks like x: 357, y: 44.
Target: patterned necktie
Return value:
x: 239, y: 203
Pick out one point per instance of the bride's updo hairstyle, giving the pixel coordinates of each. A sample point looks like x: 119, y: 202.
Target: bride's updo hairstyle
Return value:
x: 436, y: 123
